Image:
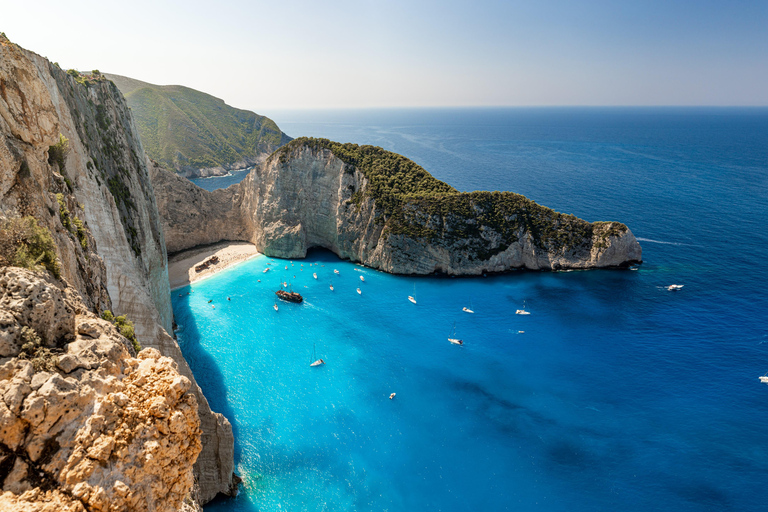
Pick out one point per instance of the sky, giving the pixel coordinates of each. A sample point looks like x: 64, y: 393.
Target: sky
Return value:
x: 282, y: 54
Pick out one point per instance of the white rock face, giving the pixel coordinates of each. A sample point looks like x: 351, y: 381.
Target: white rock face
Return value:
x: 304, y: 199
x: 104, y: 183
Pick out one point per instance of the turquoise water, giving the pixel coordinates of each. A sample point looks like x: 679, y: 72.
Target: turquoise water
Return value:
x: 618, y: 395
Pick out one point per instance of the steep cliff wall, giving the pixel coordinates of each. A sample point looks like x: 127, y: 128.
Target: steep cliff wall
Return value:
x: 380, y: 209
x: 95, y: 196
x: 208, y: 217
x: 84, y: 423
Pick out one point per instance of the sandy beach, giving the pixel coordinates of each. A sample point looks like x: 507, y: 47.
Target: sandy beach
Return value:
x: 181, y: 266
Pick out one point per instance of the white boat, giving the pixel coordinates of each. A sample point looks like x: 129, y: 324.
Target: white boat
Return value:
x: 764, y: 379
x: 286, y: 267
x: 275, y: 306
x: 522, y: 311
x: 468, y: 309
x: 316, y: 361
x: 331, y: 287
x: 674, y: 287
x: 452, y: 337
x: 412, y: 298
x: 359, y: 291
x: 314, y: 274
x: 335, y: 271
x: 266, y: 270
x: 362, y: 278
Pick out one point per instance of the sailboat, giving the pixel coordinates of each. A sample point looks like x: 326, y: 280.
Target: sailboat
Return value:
x: 452, y: 337
x: 468, y: 309
x: 316, y: 362
x: 764, y: 378
x: 412, y: 298
x: 522, y: 311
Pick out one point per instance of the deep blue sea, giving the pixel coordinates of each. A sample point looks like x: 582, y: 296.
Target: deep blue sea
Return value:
x: 617, y: 395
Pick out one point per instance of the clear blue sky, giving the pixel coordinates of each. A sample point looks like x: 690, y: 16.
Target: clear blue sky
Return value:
x: 266, y: 55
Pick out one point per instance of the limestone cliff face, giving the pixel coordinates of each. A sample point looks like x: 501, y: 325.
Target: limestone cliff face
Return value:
x: 85, y: 424
x: 305, y: 196
x: 118, y: 260
x: 208, y: 217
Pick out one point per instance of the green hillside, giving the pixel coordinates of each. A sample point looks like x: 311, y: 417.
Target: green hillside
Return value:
x: 186, y: 130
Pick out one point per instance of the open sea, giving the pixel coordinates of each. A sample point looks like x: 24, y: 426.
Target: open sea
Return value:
x: 613, y: 394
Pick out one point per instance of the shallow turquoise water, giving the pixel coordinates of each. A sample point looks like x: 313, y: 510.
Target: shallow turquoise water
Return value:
x: 618, y: 395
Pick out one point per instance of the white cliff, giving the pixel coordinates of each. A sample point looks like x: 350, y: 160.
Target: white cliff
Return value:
x: 305, y: 195
x: 117, y: 260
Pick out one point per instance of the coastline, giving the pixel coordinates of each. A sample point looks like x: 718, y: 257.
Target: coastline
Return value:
x: 181, y: 266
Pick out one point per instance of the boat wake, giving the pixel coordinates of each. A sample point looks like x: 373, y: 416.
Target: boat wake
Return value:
x: 660, y: 241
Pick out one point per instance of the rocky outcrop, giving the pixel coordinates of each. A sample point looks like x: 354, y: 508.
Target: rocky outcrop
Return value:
x: 114, y: 253
x: 85, y: 424
x: 373, y: 207
x: 189, y: 210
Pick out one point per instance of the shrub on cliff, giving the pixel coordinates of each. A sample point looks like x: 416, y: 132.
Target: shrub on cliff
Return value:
x: 58, y: 152
x: 32, y: 349
x: 24, y: 243
x: 125, y: 327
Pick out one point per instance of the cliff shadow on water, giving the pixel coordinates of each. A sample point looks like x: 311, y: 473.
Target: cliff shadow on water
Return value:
x: 207, y: 372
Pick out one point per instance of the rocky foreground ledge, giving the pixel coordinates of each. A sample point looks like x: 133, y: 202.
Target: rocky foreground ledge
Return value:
x: 85, y: 422
x: 380, y: 209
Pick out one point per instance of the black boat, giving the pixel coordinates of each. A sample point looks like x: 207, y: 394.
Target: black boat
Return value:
x: 290, y: 296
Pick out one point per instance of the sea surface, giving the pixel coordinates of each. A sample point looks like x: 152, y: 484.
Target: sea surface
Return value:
x: 613, y: 394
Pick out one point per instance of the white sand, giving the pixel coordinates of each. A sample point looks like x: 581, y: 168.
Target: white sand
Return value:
x: 181, y: 266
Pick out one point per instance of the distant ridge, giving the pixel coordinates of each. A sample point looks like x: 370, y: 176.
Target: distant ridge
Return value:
x: 194, y: 133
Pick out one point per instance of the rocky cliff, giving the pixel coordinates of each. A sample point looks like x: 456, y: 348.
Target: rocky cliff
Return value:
x: 85, y: 424
x: 71, y: 158
x: 384, y: 211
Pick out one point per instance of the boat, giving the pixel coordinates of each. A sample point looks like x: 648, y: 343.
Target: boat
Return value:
x: 359, y: 291
x: 764, y: 379
x: 522, y: 311
x: 335, y: 271
x: 468, y: 309
x: 675, y: 287
x: 362, y: 278
x: 314, y: 274
x: 286, y: 267
x: 266, y: 270
x: 392, y: 395
x: 331, y: 286
x: 275, y: 306
x: 290, y: 296
x: 452, y: 337
x: 412, y: 298
x: 315, y: 360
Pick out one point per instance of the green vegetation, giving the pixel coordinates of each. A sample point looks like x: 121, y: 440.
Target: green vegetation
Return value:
x: 72, y: 222
x: 32, y: 349
x: 412, y: 202
x: 63, y: 212
x: 186, y: 129
x: 24, y: 243
x: 124, y: 326
x: 58, y: 152
x: 84, y: 78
